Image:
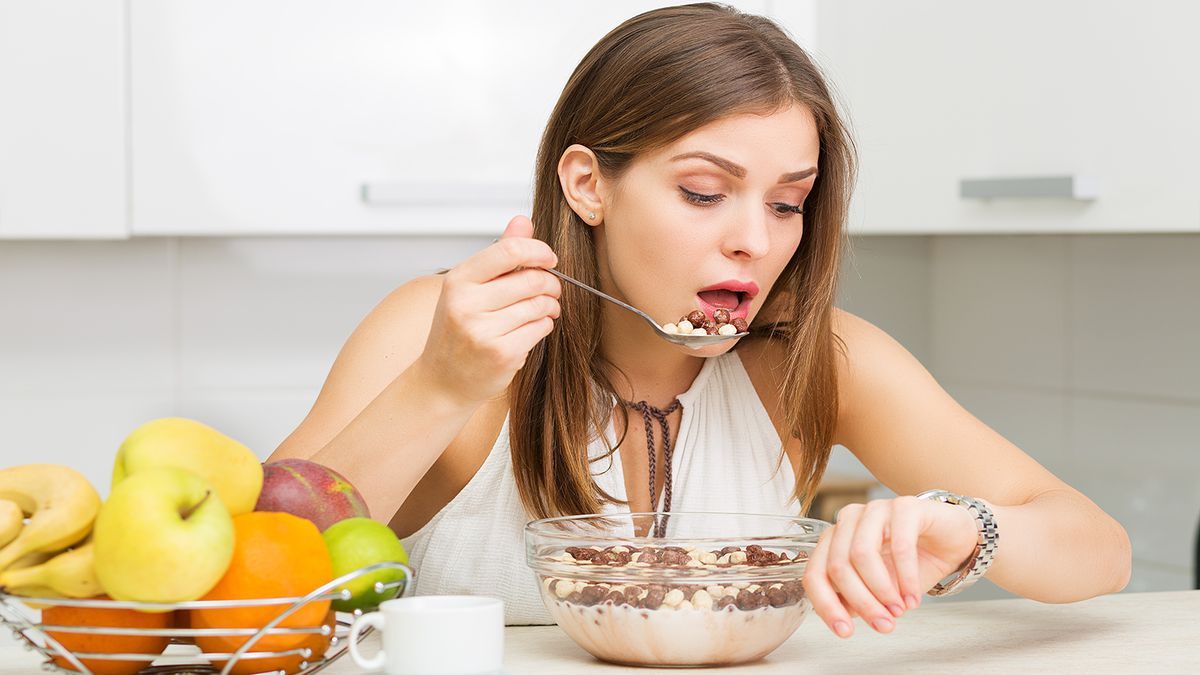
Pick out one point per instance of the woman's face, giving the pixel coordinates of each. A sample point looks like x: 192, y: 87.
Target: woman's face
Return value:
x: 710, y: 221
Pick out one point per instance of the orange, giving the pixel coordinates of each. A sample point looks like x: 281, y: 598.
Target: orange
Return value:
x: 275, y: 555
x: 108, y: 644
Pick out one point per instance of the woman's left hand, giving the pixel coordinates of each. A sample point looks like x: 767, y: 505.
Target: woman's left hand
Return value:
x: 881, y: 557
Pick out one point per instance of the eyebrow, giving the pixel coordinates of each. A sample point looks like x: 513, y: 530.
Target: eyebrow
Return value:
x: 740, y: 171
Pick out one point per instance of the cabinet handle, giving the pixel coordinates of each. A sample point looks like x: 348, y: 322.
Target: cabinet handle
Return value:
x: 1023, y: 187
x: 445, y: 194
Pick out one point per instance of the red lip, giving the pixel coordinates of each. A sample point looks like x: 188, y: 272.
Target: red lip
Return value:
x: 748, y: 287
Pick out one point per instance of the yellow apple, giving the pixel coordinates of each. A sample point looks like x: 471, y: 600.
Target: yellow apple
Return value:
x: 163, y: 535
x: 231, y: 467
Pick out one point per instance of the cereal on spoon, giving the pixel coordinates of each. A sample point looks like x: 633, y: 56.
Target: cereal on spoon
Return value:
x: 698, y: 323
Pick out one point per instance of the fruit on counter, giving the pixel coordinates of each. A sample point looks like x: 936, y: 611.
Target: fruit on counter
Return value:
x: 231, y: 467
x: 61, y: 505
x: 355, y: 543
x: 163, y: 535
x: 100, y: 643
x: 70, y: 575
x: 276, y: 555
x: 309, y: 490
x: 12, y: 519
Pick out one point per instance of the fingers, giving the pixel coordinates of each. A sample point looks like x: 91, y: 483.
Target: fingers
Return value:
x: 508, y: 319
x: 867, y: 559
x: 825, y: 600
x: 519, y: 226
x: 522, y: 339
x: 513, y: 250
x: 905, y: 530
x: 516, y: 286
x: 845, y: 576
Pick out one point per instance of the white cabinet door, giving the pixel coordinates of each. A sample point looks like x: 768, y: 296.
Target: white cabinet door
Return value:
x: 62, y: 119
x: 362, y: 116
x: 942, y: 90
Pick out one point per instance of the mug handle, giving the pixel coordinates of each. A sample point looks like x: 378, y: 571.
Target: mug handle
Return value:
x: 375, y: 620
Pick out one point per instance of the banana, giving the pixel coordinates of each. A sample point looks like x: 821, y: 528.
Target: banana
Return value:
x: 37, y: 592
x: 12, y: 519
x: 61, y: 505
x: 31, y: 560
x: 71, y: 574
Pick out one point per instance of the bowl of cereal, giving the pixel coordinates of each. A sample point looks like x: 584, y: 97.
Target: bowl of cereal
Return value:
x: 674, y: 589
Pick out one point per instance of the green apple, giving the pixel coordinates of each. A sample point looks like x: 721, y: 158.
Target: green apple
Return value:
x: 354, y: 543
x: 162, y: 536
x: 231, y: 467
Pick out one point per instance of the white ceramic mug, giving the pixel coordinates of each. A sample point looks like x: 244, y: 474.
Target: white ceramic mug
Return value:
x: 435, y: 635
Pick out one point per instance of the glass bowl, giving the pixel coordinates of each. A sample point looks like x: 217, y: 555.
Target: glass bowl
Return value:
x: 674, y: 589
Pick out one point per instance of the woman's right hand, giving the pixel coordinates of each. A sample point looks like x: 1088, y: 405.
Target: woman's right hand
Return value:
x: 494, y: 307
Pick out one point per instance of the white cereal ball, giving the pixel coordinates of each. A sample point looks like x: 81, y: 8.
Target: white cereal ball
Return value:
x: 670, y: 328
x: 727, y: 329
x: 673, y: 598
x: 702, y: 600
x: 699, y: 331
x: 684, y: 327
x: 708, y: 558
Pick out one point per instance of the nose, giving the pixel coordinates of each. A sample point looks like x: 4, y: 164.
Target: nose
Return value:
x: 748, y: 237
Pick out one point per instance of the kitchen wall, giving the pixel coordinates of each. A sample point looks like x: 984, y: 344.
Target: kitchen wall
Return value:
x: 1080, y: 349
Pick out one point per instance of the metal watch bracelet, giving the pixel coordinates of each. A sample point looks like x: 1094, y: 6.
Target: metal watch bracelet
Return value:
x: 985, y: 549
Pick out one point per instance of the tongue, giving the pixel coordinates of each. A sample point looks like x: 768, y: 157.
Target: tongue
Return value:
x: 720, y: 298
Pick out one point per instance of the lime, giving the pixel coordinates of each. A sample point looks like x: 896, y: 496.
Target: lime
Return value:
x: 355, y: 543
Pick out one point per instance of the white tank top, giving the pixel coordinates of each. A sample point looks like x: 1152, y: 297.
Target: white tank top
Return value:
x: 725, y: 459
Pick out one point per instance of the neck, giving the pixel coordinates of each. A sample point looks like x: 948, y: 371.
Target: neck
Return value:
x: 654, y: 370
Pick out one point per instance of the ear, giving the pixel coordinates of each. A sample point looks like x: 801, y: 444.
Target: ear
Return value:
x: 579, y: 175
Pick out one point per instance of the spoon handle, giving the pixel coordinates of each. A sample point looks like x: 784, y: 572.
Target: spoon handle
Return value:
x: 602, y: 294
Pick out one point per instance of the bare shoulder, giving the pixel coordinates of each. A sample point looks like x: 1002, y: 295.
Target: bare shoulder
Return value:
x: 387, y: 341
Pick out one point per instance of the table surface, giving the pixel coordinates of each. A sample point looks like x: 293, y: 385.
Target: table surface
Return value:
x: 1138, y: 632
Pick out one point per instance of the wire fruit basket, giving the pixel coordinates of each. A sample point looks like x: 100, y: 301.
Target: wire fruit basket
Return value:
x: 18, y: 614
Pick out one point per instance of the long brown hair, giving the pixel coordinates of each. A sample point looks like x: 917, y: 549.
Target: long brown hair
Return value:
x: 649, y: 82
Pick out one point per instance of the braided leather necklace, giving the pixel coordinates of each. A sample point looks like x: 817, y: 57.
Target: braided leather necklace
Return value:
x: 648, y: 411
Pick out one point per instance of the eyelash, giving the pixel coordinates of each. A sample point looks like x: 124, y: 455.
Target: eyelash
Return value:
x: 782, y: 210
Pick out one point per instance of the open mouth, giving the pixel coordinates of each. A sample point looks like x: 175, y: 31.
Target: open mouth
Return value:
x: 733, y: 296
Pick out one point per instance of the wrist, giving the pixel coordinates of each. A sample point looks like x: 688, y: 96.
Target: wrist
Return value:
x: 437, y: 390
x: 986, y: 541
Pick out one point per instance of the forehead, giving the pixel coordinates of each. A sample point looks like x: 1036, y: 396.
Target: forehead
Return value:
x: 777, y: 142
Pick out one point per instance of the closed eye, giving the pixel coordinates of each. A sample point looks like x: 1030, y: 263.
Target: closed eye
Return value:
x: 698, y: 198
x: 781, y: 209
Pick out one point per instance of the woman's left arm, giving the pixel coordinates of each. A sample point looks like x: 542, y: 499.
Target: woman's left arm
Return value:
x: 1055, y: 544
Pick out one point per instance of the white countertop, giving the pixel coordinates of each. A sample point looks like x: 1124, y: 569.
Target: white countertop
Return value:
x: 1129, y: 632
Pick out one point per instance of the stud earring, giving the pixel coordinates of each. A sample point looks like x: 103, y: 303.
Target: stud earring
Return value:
x: 591, y: 215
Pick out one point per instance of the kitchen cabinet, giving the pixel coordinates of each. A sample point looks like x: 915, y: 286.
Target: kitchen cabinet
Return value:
x: 1093, y: 102
x: 370, y: 116
x: 62, y: 120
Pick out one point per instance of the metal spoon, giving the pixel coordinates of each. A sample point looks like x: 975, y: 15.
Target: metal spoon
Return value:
x: 693, y: 341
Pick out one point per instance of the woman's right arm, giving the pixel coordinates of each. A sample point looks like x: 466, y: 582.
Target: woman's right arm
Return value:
x: 422, y: 362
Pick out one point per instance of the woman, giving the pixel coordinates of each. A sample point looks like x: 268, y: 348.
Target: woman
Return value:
x: 695, y: 160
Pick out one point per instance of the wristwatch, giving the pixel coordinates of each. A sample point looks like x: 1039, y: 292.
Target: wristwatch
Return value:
x: 985, y: 550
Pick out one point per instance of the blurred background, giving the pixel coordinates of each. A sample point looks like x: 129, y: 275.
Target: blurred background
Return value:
x: 199, y: 200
